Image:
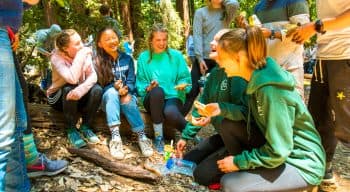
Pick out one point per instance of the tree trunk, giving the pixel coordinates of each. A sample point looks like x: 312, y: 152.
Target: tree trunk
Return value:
x: 136, y: 14
x: 50, y: 16
x: 186, y: 17
x: 125, y: 18
x: 119, y: 168
x: 43, y: 116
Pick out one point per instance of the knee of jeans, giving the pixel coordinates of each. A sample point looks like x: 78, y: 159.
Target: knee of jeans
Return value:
x: 157, y: 92
x: 111, y: 93
x: 228, y: 184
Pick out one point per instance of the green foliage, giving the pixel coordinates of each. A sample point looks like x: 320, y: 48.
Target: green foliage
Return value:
x: 83, y: 15
x: 174, y: 24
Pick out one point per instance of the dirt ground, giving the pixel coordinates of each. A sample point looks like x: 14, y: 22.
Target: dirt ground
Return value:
x: 85, y: 176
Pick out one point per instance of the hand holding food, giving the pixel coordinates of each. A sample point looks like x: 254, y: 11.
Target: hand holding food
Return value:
x: 209, y: 110
x: 182, y: 86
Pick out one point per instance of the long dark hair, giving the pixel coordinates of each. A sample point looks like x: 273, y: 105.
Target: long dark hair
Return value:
x: 104, y: 61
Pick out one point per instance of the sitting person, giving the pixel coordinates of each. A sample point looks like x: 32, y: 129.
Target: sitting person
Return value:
x: 116, y: 74
x: 229, y: 92
x: 162, y: 81
x: 74, y: 86
x: 292, y: 157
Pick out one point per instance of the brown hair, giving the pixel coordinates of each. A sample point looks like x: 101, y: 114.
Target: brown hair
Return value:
x: 157, y: 27
x: 63, y: 39
x: 250, y: 40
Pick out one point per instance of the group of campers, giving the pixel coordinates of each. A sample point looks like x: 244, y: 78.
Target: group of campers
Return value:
x: 266, y: 137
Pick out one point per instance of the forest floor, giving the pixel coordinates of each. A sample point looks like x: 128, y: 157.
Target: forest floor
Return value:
x: 88, y: 177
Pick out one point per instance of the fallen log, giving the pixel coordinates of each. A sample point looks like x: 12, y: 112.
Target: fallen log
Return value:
x: 135, y: 172
x: 44, y: 116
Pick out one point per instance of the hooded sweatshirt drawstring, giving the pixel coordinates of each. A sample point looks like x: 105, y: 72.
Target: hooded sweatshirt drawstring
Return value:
x: 320, y: 70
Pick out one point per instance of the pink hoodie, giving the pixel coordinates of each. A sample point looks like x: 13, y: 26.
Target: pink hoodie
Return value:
x: 78, y: 71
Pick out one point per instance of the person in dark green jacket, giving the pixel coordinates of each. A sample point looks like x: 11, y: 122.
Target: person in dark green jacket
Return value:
x: 292, y: 158
x: 229, y: 92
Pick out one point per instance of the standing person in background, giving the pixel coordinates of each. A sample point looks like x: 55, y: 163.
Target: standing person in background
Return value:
x: 128, y: 46
x: 108, y: 21
x: 116, y: 74
x: 162, y: 81
x: 218, y: 14
x: 277, y: 16
x: 190, y: 47
x: 74, y: 86
x: 329, y: 101
x: 13, y: 119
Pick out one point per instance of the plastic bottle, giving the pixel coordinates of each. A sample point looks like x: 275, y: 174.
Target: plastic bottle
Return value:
x: 180, y: 166
x: 253, y: 20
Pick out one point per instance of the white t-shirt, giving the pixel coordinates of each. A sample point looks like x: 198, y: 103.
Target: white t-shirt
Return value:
x: 333, y: 45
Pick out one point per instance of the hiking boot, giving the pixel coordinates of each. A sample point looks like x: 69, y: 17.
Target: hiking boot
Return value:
x: 116, y: 149
x: 74, y: 138
x: 44, y: 166
x: 146, y: 147
x: 159, y: 144
x: 88, y: 134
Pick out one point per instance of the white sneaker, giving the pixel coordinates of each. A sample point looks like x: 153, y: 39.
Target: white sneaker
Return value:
x: 116, y: 149
x: 146, y: 147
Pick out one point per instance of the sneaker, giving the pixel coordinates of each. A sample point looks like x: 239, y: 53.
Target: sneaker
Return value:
x: 75, y: 139
x: 328, y: 183
x: 146, y: 147
x: 88, y: 134
x: 44, y: 166
x: 116, y: 149
x: 159, y: 144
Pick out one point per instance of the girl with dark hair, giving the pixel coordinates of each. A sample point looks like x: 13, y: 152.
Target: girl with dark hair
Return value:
x: 292, y: 157
x: 74, y: 86
x: 162, y: 81
x: 116, y: 74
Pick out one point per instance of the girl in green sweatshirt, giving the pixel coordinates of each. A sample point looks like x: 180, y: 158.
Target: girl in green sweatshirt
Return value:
x: 162, y: 80
x: 292, y: 158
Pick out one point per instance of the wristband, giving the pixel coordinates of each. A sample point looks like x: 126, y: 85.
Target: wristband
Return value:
x: 319, y: 28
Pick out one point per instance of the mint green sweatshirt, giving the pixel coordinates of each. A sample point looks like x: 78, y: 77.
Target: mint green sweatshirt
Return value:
x: 168, y: 68
x: 228, y: 92
x: 283, y: 118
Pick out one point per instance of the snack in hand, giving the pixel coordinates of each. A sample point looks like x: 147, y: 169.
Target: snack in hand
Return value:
x: 201, y: 108
x: 181, y: 86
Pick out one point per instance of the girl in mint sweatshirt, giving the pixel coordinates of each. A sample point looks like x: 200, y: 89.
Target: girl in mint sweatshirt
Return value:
x: 292, y: 157
x: 162, y: 80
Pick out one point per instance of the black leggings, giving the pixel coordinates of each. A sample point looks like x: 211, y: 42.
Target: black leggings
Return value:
x: 87, y: 105
x: 164, y: 109
x: 231, y: 140
x: 195, y: 76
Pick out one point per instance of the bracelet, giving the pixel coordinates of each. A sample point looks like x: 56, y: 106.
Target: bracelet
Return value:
x: 319, y: 28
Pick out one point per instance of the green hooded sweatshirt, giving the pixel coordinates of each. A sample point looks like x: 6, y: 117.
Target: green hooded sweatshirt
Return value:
x: 228, y: 92
x: 168, y: 68
x: 288, y: 127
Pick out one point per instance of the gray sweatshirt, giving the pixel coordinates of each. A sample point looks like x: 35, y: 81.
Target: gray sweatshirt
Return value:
x: 207, y: 22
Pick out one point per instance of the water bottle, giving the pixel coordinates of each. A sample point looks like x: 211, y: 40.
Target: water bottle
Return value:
x: 181, y: 166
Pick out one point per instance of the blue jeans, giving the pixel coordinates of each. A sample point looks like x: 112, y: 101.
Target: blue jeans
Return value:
x: 112, y: 106
x: 7, y: 103
x: 16, y: 178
